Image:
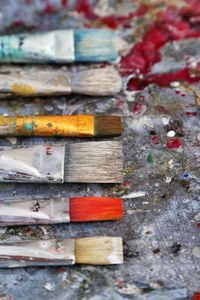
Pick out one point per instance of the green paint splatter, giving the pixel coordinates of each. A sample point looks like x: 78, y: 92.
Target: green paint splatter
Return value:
x: 150, y: 158
x: 28, y: 126
x: 49, y: 125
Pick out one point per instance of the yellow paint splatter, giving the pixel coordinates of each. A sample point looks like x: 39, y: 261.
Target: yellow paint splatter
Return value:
x: 22, y: 89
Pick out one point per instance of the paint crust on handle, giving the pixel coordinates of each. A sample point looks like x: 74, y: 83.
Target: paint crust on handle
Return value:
x: 32, y: 81
x: 64, y: 126
x: 52, y: 46
x: 38, y: 163
x: 26, y: 212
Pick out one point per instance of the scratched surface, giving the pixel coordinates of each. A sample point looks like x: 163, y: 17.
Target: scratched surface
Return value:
x: 161, y: 141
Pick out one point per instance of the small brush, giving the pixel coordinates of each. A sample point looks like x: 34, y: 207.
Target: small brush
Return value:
x: 60, y: 210
x: 48, y: 81
x: 89, y: 250
x: 95, y: 162
x: 63, y: 126
x: 60, y: 46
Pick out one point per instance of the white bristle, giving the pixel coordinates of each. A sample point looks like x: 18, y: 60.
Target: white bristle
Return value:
x: 95, y: 162
x: 99, y: 250
x: 98, y: 81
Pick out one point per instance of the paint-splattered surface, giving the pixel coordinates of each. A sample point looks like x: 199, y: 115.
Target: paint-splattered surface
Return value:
x: 161, y: 185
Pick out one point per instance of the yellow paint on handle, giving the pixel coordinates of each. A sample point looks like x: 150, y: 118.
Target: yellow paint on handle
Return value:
x: 64, y: 126
x: 22, y: 89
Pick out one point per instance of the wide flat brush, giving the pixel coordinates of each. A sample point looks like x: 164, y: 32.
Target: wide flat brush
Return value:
x: 60, y: 210
x: 60, y: 46
x: 63, y: 126
x: 95, y: 162
x: 90, y: 250
x: 48, y: 81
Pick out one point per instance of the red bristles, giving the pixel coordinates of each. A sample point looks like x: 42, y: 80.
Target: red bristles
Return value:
x: 85, y: 209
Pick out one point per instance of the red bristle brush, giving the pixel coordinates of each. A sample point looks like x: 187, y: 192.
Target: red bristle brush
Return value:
x: 60, y: 210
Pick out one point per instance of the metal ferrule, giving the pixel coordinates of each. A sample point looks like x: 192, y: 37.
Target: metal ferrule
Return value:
x: 37, y: 253
x: 23, y: 212
x: 38, y: 163
x: 53, y: 46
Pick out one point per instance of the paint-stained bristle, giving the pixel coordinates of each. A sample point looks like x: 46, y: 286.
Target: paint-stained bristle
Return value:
x: 107, y: 125
x: 98, y: 81
x: 95, y: 45
x: 85, y: 209
x: 94, y: 162
x: 99, y: 250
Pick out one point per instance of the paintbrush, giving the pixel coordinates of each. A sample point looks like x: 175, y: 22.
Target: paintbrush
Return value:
x: 60, y: 46
x: 60, y: 210
x: 63, y: 126
x: 95, y: 162
x: 88, y: 250
x: 48, y: 81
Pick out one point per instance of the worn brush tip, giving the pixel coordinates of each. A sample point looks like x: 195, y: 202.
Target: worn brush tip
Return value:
x: 85, y: 209
x: 94, y: 162
x: 95, y: 45
x: 107, y: 126
x: 96, y: 81
x: 99, y: 250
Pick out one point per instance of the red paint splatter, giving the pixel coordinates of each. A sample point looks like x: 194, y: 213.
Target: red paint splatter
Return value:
x: 170, y: 26
x: 28, y: 2
x: 64, y: 3
x: 162, y: 80
x: 174, y: 143
x: 48, y: 9
x: 127, y: 184
x: 196, y: 296
x: 120, y: 103
x: 113, y: 22
x: 83, y: 7
x: 198, y: 225
x: 154, y: 139
x: 191, y: 113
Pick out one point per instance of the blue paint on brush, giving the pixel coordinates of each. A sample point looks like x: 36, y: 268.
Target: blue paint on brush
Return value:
x: 95, y: 45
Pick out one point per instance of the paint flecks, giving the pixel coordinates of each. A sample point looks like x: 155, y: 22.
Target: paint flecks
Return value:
x: 139, y: 109
x: 22, y: 89
x: 150, y: 158
x: 174, y: 143
x: 196, y: 296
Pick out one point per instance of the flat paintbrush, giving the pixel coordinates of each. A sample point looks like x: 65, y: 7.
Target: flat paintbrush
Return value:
x: 48, y: 81
x: 90, y: 250
x: 63, y: 126
x: 60, y: 46
x: 60, y: 210
x: 95, y: 162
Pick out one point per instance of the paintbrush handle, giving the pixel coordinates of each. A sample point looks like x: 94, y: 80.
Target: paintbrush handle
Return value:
x: 64, y: 126
x: 34, y: 253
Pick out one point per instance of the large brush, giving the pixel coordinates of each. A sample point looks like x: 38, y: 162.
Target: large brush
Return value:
x: 27, y: 81
x: 95, y: 162
x: 63, y: 126
x: 60, y: 46
x: 90, y: 250
x: 60, y: 210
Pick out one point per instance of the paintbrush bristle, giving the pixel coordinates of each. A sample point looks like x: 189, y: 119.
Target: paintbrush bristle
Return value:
x: 94, y: 162
x: 85, y: 209
x: 97, y: 81
x: 95, y: 45
x: 107, y: 126
x: 99, y: 250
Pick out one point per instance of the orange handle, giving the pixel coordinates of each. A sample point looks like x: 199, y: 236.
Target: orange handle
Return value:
x: 64, y: 126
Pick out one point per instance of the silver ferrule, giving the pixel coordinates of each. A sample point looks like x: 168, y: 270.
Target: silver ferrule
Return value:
x: 23, y: 212
x: 38, y: 163
x: 54, y: 46
x: 37, y: 253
